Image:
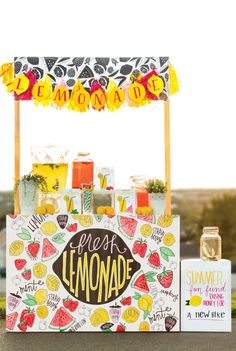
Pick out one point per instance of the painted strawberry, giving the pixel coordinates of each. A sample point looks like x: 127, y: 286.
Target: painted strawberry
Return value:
x: 121, y: 328
x: 140, y: 247
x: 66, y: 302
x: 28, y: 316
x: 165, y: 278
x: 22, y: 326
x: 26, y: 274
x: 126, y: 301
x: 72, y: 227
x: 170, y: 322
x: 154, y: 259
x: 33, y: 248
x: 20, y: 264
x: 73, y: 305
x: 70, y: 304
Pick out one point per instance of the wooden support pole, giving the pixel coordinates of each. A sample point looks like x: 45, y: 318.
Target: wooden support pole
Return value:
x: 17, y: 156
x: 167, y: 156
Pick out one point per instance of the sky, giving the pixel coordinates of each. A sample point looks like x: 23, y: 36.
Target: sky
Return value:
x: 199, y: 38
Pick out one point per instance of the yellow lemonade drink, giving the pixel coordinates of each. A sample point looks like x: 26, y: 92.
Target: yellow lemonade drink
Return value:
x: 55, y: 174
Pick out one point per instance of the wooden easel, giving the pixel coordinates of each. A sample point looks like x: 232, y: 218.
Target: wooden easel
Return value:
x: 167, y: 155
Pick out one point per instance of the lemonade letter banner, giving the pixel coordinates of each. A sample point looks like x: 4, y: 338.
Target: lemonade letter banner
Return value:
x: 74, y: 273
x: 81, y: 83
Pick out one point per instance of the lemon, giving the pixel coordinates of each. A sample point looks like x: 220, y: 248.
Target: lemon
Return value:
x: 41, y: 296
x: 101, y: 210
x: 95, y: 319
x: 148, y: 298
x: 85, y: 220
x: 48, y: 228
x: 145, y: 303
x: 40, y: 270
x: 144, y: 326
x: 103, y: 314
x: 52, y: 282
x: 195, y: 300
x: 147, y: 210
x: 146, y: 230
x: 169, y: 239
x: 75, y: 216
x: 42, y: 311
x: 139, y: 210
x: 130, y: 315
x: 110, y: 211
x: 16, y: 248
x: 142, y: 304
x: 165, y: 221
x: 50, y: 209
x: 41, y: 210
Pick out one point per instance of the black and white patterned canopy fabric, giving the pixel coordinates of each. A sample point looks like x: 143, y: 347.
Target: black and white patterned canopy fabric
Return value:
x: 88, y: 69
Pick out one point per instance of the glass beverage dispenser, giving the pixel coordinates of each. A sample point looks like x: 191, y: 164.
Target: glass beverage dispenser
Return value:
x: 52, y: 163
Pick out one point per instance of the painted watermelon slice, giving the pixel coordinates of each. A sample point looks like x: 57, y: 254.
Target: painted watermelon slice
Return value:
x: 49, y: 250
x: 147, y: 218
x: 62, y: 320
x: 11, y: 320
x: 129, y: 209
x: 127, y: 226
x: 140, y: 282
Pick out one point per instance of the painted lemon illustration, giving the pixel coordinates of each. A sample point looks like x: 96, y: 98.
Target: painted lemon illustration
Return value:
x: 42, y: 311
x: 76, y: 216
x: 130, y: 315
x: 85, y: 220
x: 165, y: 221
x: 145, y: 303
x: 40, y: 270
x: 48, y: 228
x: 144, y: 326
x: 52, y: 282
x: 195, y: 301
x: 41, y: 296
x: 146, y: 230
x: 169, y: 239
x: 16, y: 248
x: 100, y: 315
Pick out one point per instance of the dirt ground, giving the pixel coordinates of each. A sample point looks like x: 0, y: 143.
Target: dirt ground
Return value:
x: 117, y: 341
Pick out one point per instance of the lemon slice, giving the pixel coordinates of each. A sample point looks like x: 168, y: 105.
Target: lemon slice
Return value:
x: 48, y: 228
x: 41, y: 296
x: 40, y: 270
x: 52, y: 282
x: 42, y: 311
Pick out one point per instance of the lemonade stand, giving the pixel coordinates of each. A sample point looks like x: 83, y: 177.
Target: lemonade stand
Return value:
x: 77, y: 270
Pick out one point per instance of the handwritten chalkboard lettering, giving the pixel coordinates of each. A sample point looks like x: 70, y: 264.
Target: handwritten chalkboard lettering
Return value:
x: 159, y: 315
x: 95, y: 244
x: 31, y: 287
x: 170, y: 293
x: 53, y: 301
x: 203, y: 314
x: 204, y: 277
x: 96, y: 266
x: 36, y: 221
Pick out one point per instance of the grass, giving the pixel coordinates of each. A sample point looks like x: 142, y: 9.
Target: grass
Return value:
x: 3, y: 306
x: 234, y: 305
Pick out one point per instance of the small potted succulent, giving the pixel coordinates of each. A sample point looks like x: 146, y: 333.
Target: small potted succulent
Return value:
x: 157, y: 194
x: 29, y: 187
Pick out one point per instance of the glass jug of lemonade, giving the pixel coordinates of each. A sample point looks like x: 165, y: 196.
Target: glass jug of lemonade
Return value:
x: 52, y: 163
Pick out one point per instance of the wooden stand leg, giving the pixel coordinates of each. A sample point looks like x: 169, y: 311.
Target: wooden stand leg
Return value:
x: 167, y: 156
x: 17, y: 156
